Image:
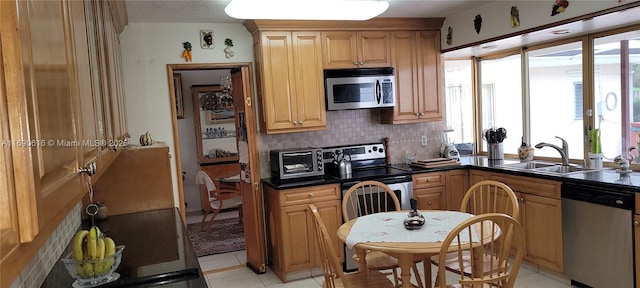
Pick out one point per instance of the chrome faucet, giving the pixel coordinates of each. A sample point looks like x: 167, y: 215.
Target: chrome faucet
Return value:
x: 564, y: 151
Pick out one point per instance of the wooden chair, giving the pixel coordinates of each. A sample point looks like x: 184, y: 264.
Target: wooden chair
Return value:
x: 330, y: 264
x: 368, y: 197
x: 483, y: 197
x: 500, y: 271
x: 219, y: 199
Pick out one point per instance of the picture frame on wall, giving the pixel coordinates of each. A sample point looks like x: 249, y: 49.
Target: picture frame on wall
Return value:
x: 177, y: 91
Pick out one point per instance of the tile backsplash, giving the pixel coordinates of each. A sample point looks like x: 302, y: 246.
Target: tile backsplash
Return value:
x: 36, y: 271
x: 346, y: 127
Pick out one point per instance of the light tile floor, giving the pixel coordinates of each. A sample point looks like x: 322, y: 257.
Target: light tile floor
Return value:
x: 229, y: 271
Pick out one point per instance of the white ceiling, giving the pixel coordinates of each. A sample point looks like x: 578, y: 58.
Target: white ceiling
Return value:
x: 212, y: 11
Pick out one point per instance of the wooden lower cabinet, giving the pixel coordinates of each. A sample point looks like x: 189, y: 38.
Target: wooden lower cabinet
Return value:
x: 541, y: 218
x: 457, y: 185
x: 290, y: 233
x: 429, y: 190
x: 540, y: 215
x: 138, y: 180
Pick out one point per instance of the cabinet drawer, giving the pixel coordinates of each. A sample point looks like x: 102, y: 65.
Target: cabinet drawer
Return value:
x: 308, y: 195
x: 427, y: 180
x: 430, y: 198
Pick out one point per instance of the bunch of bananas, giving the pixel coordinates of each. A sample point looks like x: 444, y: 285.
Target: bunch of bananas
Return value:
x: 93, y: 245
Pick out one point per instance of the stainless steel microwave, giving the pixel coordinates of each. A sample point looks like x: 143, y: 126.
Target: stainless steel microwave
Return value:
x: 296, y: 163
x: 359, y: 88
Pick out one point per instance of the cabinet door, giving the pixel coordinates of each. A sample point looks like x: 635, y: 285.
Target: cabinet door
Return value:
x: 404, y: 60
x: 430, y: 198
x: 339, y: 50
x: 53, y: 95
x: 373, y: 49
x: 542, y: 222
x: 279, y: 101
x: 307, y: 59
x: 91, y: 143
x: 457, y: 186
x: 430, y: 75
x: 331, y: 213
x: 297, y: 237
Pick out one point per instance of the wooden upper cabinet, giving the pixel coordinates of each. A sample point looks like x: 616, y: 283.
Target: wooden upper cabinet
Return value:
x: 415, y: 55
x: 291, y: 82
x: 349, y: 49
x: 50, y: 103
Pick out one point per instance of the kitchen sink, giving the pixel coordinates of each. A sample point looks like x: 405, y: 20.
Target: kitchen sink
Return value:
x: 547, y: 167
x: 530, y: 165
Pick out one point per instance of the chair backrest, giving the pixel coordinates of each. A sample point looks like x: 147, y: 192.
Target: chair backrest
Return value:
x: 368, y: 197
x: 490, y: 197
x: 496, y: 234
x: 329, y: 261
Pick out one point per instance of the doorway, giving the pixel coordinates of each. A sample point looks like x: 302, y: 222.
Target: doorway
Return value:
x: 250, y: 183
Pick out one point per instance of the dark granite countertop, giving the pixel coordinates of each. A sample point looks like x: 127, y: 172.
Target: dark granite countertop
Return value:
x: 157, y: 252
x: 606, y: 177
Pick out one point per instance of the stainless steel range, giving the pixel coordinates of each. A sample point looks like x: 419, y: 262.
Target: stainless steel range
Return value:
x: 368, y: 162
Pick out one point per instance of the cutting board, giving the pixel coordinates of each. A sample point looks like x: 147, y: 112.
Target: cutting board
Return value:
x: 434, y: 162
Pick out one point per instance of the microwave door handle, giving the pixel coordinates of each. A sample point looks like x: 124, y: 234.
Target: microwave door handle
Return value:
x: 378, y: 91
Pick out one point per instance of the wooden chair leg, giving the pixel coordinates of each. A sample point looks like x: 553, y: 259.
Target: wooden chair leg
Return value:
x: 210, y: 222
x: 396, y: 278
x: 417, y: 275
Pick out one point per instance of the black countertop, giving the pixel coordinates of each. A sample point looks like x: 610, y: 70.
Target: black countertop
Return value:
x: 606, y: 177
x: 157, y: 252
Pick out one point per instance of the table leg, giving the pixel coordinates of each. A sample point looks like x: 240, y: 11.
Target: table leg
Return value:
x: 426, y: 263
x: 362, y: 263
x: 405, y: 261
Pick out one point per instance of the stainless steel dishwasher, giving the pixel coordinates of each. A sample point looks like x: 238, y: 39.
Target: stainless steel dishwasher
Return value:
x: 597, y: 232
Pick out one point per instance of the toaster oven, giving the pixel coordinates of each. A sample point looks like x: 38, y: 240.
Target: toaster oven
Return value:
x: 296, y: 163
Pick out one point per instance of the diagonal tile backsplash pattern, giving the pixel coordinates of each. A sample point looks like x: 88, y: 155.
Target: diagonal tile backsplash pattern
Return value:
x: 346, y: 127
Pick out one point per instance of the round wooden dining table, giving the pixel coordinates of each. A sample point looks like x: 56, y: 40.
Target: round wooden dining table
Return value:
x: 406, y: 252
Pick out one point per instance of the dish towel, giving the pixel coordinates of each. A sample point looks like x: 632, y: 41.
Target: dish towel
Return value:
x: 389, y: 227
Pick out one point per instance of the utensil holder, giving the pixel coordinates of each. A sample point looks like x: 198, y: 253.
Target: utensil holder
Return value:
x: 495, y: 151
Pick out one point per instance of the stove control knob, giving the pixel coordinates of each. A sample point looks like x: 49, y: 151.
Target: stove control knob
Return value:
x: 375, y: 148
x: 381, y: 150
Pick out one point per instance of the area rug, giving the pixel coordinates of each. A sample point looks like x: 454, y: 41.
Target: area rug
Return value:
x: 226, y: 235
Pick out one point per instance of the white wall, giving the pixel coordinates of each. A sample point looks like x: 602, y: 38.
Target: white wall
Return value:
x: 496, y: 18
x: 147, y: 48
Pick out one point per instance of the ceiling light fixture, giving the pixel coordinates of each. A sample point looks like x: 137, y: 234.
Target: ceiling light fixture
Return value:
x: 306, y: 9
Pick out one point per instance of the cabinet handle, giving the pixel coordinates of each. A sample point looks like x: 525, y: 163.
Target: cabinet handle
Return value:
x: 417, y: 114
x: 421, y: 113
x: 301, y: 122
x: 429, y: 203
x: 295, y: 123
x: 636, y: 223
x: 90, y: 169
x: 355, y: 63
x: 361, y: 63
x: 428, y: 180
x: 310, y: 195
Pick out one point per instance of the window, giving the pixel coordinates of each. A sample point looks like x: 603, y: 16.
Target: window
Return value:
x: 558, y: 100
x: 555, y: 98
x: 459, y: 101
x: 616, y: 92
x: 501, y: 99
